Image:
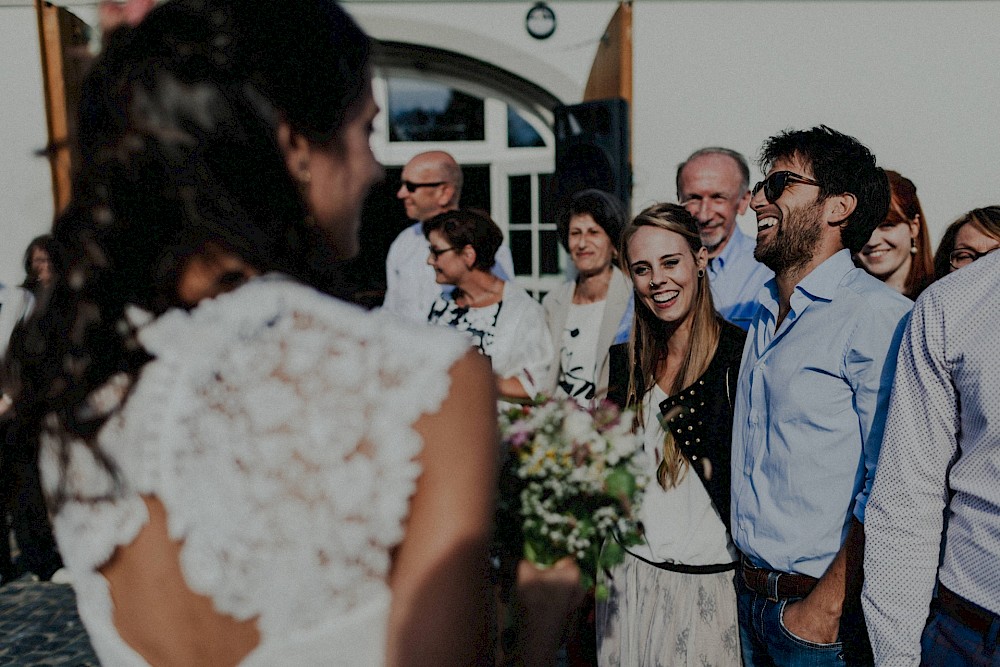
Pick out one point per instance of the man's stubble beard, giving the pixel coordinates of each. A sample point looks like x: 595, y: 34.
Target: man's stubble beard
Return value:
x: 794, y: 242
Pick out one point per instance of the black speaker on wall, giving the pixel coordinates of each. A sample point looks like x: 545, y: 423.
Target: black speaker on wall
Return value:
x: 592, y: 151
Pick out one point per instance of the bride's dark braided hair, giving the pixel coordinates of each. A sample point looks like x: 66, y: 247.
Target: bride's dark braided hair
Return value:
x: 178, y: 145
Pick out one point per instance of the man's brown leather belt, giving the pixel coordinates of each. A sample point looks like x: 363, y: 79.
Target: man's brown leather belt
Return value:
x: 776, y: 585
x: 969, y: 613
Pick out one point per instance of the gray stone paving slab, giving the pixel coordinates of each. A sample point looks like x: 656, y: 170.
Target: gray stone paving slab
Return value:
x: 39, y: 626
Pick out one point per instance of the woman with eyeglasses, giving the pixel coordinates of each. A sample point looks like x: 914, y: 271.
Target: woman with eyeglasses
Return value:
x: 673, y: 599
x: 243, y: 467
x: 502, y: 320
x: 899, y: 251
x: 967, y: 239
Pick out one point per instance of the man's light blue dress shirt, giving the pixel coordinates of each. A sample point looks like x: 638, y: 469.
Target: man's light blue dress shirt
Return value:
x: 735, y: 278
x: 809, y: 414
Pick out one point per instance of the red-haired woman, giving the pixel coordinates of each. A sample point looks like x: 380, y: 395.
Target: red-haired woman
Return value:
x: 899, y: 251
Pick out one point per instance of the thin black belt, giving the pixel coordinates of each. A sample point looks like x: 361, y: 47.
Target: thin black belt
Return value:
x: 689, y: 569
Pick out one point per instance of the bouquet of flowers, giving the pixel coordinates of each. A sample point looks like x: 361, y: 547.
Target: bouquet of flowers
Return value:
x: 573, y: 477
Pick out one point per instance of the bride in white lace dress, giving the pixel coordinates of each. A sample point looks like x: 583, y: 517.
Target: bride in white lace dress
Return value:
x: 243, y: 469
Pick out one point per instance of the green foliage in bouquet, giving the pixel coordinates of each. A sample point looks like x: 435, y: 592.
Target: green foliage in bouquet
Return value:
x: 572, y: 478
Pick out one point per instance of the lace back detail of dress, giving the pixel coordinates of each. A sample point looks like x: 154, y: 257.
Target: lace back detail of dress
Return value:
x: 285, y: 453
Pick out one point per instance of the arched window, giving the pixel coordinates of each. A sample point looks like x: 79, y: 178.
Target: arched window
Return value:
x: 502, y: 139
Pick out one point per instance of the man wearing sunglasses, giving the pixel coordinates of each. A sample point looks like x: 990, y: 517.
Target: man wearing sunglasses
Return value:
x: 713, y: 184
x: 811, y: 401
x: 431, y: 183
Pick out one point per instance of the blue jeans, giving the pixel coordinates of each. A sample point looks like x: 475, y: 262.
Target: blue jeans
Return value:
x: 766, y: 642
x: 947, y: 641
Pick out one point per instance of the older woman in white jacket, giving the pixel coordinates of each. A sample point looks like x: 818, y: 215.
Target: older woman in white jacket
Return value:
x: 589, y: 314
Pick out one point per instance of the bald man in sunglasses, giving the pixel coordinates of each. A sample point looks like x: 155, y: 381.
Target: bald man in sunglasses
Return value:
x: 431, y: 183
x: 811, y: 402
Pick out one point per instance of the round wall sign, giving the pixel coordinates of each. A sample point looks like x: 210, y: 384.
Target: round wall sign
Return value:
x: 540, y: 21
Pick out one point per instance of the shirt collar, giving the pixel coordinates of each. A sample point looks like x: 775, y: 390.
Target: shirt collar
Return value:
x: 821, y: 283
x: 733, y: 246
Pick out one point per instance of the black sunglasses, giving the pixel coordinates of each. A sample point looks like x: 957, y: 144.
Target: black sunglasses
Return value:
x: 412, y: 187
x: 775, y: 184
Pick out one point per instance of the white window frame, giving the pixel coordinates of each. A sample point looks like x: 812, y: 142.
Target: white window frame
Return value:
x: 493, y: 151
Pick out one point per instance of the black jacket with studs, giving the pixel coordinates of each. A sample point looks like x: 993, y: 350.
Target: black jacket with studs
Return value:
x: 700, y: 416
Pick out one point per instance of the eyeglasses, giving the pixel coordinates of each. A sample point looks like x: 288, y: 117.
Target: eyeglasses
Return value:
x: 412, y: 187
x: 775, y: 184
x: 437, y: 252
x: 966, y: 256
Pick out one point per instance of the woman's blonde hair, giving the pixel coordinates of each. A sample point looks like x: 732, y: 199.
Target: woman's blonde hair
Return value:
x: 648, y: 343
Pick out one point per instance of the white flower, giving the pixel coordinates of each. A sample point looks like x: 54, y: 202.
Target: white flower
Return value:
x: 578, y: 426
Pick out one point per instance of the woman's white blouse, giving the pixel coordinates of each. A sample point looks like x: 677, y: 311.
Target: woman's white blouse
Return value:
x: 681, y: 524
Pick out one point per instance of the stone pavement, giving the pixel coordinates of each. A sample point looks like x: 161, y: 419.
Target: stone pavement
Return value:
x: 39, y: 626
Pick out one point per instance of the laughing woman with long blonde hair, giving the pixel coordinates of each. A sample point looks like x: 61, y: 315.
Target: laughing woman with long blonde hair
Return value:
x: 672, y: 601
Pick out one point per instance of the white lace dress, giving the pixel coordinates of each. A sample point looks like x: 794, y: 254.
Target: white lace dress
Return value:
x: 275, y: 426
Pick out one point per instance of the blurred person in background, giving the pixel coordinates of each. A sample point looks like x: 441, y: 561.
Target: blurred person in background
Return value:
x: 15, y: 305
x: 40, y: 262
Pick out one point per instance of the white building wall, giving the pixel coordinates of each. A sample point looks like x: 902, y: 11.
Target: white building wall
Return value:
x: 494, y: 32
x: 26, y: 199
x: 917, y: 82
x: 25, y: 180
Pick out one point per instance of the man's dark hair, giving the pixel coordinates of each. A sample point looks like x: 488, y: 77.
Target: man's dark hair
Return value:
x: 841, y: 164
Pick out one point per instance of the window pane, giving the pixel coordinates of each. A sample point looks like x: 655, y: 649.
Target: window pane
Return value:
x: 546, y: 205
x: 520, y: 133
x: 548, y: 252
x: 520, y: 248
x: 428, y: 111
x: 520, y: 199
x: 476, y: 190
